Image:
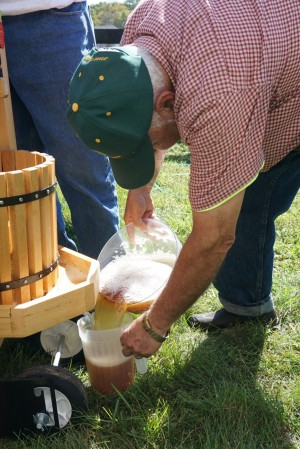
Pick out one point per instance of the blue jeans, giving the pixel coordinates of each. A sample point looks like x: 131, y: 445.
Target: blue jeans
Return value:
x: 244, y: 281
x: 43, y: 50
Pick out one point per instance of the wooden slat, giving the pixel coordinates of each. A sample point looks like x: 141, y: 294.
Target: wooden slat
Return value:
x: 8, y: 160
x: 46, y: 226
x: 18, y: 230
x: 51, y: 311
x: 38, y: 158
x: 23, y: 159
x: 67, y: 257
x: 31, y: 159
x: 7, y: 128
x: 34, y: 235
x: 5, y: 321
x: 4, y: 91
x: 53, y: 216
x: 6, y: 297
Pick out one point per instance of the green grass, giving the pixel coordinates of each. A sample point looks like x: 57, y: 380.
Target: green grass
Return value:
x: 235, y: 389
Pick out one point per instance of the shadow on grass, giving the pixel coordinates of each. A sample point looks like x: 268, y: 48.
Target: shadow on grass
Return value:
x: 208, y: 400
x: 199, y: 393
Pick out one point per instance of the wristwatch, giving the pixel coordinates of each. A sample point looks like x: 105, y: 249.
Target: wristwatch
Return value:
x: 147, y: 327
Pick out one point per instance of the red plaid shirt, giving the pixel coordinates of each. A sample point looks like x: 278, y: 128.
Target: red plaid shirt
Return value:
x: 235, y: 67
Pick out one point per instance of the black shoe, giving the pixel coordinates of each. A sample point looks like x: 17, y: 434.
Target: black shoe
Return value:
x: 221, y: 319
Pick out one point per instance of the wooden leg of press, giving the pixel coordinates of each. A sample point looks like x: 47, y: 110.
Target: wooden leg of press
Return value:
x: 7, y: 128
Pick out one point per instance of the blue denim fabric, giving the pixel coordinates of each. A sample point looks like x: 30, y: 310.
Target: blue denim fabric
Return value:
x: 43, y: 50
x: 245, y: 279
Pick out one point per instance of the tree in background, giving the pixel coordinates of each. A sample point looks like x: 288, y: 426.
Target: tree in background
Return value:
x: 131, y: 4
x: 112, y: 13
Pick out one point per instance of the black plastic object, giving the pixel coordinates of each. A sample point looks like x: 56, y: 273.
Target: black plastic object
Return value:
x: 19, y: 403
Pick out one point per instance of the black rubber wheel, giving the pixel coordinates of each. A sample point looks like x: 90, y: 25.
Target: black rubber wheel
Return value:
x: 64, y: 382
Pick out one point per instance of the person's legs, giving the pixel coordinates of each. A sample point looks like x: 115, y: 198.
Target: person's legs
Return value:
x: 244, y: 281
x: 43, y: 51
x: 28, y: 139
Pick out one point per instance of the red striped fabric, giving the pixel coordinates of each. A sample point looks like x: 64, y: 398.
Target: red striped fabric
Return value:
x: 235, y: 67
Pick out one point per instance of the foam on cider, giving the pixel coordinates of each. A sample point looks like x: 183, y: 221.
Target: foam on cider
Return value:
x: 134, y: 278
x: 130, y: 283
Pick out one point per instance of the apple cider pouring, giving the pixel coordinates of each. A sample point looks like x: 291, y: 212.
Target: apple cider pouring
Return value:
x: 135, y: 264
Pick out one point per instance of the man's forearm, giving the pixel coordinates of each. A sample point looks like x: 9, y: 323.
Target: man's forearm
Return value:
x: 192, y: 274
x: 212, y: 235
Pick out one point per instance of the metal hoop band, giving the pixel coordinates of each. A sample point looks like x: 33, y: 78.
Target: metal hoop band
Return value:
x: 33, y: 196
x: 9, y: 285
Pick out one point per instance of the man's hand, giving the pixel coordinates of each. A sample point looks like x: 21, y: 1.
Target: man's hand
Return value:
x: 136, y: 341
x: 139, y: 205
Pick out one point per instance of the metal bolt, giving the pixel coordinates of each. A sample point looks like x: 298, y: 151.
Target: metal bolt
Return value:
x: 48, y: 191
x: 36, y: 195
x: 25, y: 281
x: 41, y: 420
x: 21, y: 199
x: 1, y: 203
x: 7, y: 286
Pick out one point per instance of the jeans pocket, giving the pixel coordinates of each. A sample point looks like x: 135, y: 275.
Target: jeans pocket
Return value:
x: 74, y: 9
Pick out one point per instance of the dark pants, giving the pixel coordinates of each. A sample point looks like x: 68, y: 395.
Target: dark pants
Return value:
x: 244, y: 281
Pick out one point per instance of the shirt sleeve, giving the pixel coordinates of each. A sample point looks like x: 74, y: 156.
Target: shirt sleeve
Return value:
x: 134, y: 21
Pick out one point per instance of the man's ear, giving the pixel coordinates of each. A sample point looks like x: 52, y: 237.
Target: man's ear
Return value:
x: 164, y: 104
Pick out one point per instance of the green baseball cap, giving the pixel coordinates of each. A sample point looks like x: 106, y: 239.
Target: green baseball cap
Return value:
x: 111, y: 107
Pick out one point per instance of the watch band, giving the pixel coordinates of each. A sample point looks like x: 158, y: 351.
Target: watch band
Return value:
x: 147, y: 327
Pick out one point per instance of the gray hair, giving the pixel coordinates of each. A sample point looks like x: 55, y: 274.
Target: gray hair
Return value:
x: 154, y: 70
x: 158, y: 83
